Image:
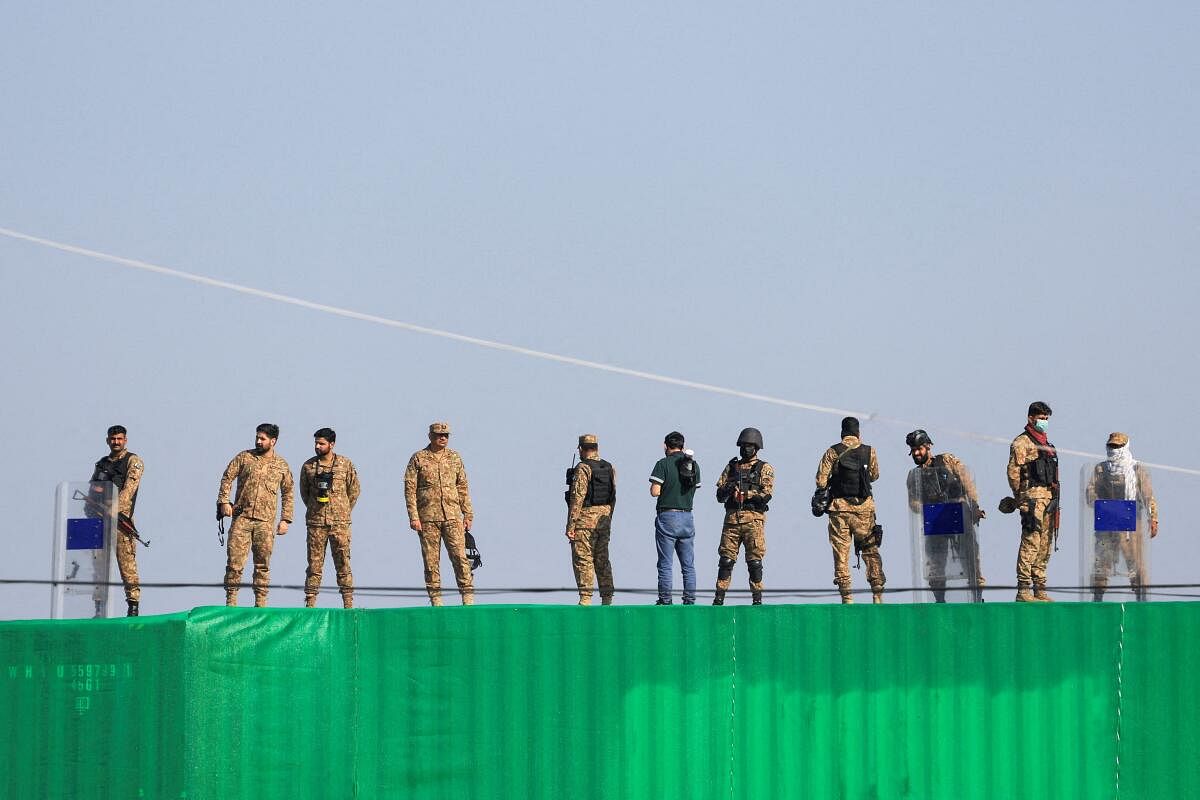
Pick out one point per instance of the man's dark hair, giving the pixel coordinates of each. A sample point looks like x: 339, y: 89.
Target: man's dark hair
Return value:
x: 115, y: 429
x: 327, y: 434
x: 674, y: 440
x: 1037, y: 407
x: 269, y: 428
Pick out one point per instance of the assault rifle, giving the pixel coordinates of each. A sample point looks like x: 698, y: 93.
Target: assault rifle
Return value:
x: 97, y: 508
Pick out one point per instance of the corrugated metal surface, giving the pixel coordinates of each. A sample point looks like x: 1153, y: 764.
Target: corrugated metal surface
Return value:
x: 894, y: 701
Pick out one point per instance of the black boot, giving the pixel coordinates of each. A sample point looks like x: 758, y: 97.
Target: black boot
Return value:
x: 719, y: 598
x: 939, y: 595
x: 662, y: 602
x: 133, y: 608
x: 756, y: 599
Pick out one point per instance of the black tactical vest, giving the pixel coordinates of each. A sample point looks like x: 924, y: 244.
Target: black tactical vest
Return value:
x: 850, y: 479
x: 601, y: 489
x: 939, y: 484
x: 746, y: 479
x: 1043, y: 471
x: 115, y: 471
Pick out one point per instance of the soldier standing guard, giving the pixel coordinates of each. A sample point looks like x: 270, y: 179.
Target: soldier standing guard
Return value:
x: 1033, y: 478
x: 590, y: 503
x: 745, y: 487
x: 261, y: 475
x: 439, y: 510
x: 1121, y: 477
x: 329, y: 488
x: 847, y: 470
x: 125, y: 470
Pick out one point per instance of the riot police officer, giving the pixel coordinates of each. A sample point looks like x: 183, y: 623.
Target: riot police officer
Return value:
x: 125, y: 470
x: 745, y: 488
x: 938, y: 480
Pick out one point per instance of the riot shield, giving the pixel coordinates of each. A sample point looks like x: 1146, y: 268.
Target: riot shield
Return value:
x: 945, y: 544
x: 1114, y: 536
x: 85, y: 522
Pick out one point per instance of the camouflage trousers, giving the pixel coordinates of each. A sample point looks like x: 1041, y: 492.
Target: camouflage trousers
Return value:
x: 746, y: 530
x: 966, y: 549
x: 338, y: 539
x: 246, y: 535
x: 125, y: 548
x: 589, y: 554
x: 451, y: 532
x: 1033, y: 555
x: 846, y: 528
x: 1114, y: 547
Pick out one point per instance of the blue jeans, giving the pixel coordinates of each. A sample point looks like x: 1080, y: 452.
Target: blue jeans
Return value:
x: 675, y: 534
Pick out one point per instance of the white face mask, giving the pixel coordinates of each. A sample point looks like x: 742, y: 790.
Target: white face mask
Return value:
x: 1042, y: 424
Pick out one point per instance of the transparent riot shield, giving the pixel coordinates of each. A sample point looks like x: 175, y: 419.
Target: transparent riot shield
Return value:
x: 85, y: 521
x: 945, y: 543
x: 1114, y: 536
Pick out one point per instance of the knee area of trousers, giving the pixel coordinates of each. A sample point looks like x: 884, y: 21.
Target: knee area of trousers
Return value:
x: 725, y: 568
x: 756, y: 569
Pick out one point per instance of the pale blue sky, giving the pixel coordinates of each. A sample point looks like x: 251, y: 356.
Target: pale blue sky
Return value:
x: 930, y: 211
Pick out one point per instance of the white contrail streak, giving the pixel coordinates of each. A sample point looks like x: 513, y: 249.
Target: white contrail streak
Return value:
x: 511, y: 348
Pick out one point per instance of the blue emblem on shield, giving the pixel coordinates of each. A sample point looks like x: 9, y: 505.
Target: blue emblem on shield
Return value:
x: 943, y: 519
x: 1116, y: 516
x: 85, y: 534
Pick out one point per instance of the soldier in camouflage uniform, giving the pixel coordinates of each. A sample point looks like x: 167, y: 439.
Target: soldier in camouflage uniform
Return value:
x: 262, y: 475
x: 848, y: 472
x: 945, y: 479
x: 590, y: 503
x: 1033, y: 478
x: 1121, y: 477
x: 439, y: 510
x: 329, y: 488
x: 745, y: 488
x: 125, y: 470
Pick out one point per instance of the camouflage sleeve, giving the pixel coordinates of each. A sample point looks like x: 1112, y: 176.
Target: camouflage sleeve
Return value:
x: 1015, y: 460
x: 767, y: 478
x: 410, y: 489
x: 287, y: 492
x: 825, y: 468
x: 964, y: 477
x: 353, y: 487
x: 306, y: 483
x: 583, y: 474
x: 231, y: 472
x: 1147, y: 491
x: 1089, y: 491
x: 133, y: 477
x: 464, y: 491
x: 873, y: 467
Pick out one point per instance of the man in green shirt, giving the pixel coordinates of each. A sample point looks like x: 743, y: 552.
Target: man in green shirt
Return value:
x: 673, y: 481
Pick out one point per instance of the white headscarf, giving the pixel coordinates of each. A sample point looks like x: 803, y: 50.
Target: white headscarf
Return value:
x: 1120, y: 462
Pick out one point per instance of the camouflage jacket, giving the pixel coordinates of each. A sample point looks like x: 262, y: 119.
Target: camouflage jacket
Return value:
x: 133, y: 478
x: 579, y: 489
x: 1023, y: 450
x: 825, y: 469
x: 259, y: 480
x: 343, y: 494
x: 766, y: 477
x: 435, y: 486
x: 956, y: 468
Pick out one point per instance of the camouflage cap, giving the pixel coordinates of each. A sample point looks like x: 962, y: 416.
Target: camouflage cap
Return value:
x: 1118, y: 439
x: 588, y: 440
x: 439, y: 427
